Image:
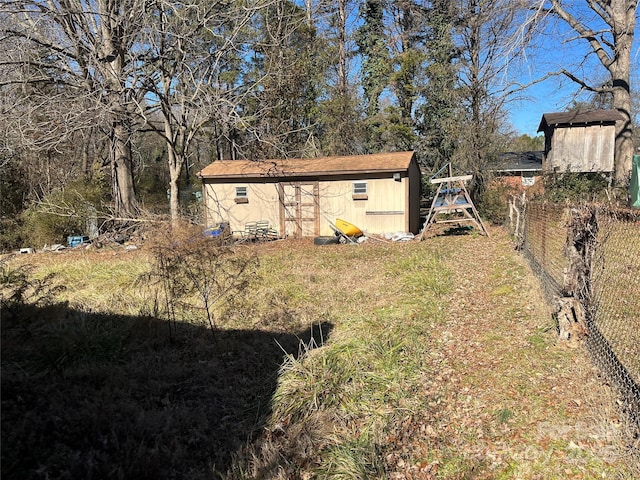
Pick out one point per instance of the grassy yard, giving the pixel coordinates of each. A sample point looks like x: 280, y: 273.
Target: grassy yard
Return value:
x: 423, y: 360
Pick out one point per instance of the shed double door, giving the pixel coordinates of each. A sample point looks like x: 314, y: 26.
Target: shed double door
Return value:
x: 299, y: 209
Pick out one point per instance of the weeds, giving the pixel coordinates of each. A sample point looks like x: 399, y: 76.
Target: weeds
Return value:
x: 192, y: 272
x: 433, y: 369
x: 99, y: 395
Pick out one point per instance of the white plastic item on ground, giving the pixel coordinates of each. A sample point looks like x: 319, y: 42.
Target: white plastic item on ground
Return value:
x: 56, y: 247
x: 402, y: 237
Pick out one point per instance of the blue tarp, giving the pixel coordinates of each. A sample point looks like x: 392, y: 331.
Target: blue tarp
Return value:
x: 74, y: 241
x: 442, y: 201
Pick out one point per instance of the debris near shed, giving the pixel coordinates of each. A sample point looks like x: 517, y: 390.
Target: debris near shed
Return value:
x: 77, y: 240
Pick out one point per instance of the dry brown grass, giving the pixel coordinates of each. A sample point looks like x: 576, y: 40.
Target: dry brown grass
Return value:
x: 437, y: 360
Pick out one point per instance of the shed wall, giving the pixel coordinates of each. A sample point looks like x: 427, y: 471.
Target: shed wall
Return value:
x: 581, y: 149
x: 220, y: 204
x: 383, y: 211
x: 386, y: 209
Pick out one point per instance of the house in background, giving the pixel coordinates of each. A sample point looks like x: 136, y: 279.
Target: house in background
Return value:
x: 519, y: 170
x: 379, y: 193
x: 579, y: 141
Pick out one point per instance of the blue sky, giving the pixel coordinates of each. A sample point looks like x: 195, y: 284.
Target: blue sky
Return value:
x: 556, y: 94
x: 552, y: 95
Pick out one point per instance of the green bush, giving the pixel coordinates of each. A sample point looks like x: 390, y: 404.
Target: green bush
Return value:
x: 11, y: 234
x: 493, y: 202
x: 576, y: 186
x: 13, y: 192
x: 63, y: 213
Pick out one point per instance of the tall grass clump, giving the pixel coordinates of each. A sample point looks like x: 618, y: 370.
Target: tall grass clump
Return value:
x: 336, y: 407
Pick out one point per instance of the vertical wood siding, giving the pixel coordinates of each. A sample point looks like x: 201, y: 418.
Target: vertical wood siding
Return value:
x: 582, y: 149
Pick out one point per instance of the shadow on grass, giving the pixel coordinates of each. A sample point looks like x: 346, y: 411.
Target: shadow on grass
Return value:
x: 88, y: 395
x: 458, y: 230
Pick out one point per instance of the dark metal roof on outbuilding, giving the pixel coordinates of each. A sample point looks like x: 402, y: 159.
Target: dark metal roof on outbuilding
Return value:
x: 517, y: 162
x: 579, y: 117
x: 309, y: 167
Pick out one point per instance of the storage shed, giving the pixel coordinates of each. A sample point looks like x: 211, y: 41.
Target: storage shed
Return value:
x: 379, y: 193
x: 579, y: 141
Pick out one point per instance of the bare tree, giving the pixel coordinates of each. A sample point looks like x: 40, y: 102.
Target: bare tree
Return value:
x: 45, y: 133
x: 485, y: 54
x: 606, y: 27
x: 75, y: 60
x: 191, y: 75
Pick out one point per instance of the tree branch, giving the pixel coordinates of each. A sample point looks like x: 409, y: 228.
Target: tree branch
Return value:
x: 584, y: 32
x: 583, y: 84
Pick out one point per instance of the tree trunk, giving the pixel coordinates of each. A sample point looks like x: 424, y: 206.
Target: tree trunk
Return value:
x: 124, y: 194
x: 342, y: 48
x: 175, y: 152
x: 174, y: 197
x: 122, y: 167
x: 85, y: 159
x: 624, y: 132
x: 175, y: 166
x: 623, y: 14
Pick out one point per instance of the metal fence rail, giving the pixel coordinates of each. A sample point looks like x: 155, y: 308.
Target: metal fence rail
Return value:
x: 587, y: 258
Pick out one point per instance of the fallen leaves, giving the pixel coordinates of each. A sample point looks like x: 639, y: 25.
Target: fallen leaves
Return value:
x: 499, y: 378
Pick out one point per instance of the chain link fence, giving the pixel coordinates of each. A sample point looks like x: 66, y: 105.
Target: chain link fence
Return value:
x: 587, y: 258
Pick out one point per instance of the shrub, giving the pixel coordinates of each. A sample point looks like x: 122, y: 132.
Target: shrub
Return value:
x: 576, y: 186
x: 493, y: 201
x: 11, y: 234
x: 192, y: 272
x: 13, y: 188
x: 63, y: 213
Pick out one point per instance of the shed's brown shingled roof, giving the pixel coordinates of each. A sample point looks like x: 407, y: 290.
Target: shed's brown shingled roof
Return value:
x: 302, y: 167
x: 584, y: 117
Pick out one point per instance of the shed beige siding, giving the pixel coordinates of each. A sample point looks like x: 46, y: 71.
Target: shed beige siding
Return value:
x: 304, y: 197
x: 581, y: 149
x: 383, y: 211
x: 220, y: 204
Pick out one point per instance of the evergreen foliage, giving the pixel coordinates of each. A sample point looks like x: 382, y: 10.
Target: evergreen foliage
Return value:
x: 372, y: 44
x: 238, y: 79
x: 577, y: 186
x: 439, y: 115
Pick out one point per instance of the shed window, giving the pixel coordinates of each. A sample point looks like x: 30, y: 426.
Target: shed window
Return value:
x: 360, y: 191
x: 359, y: 188
x: 241, y: 195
